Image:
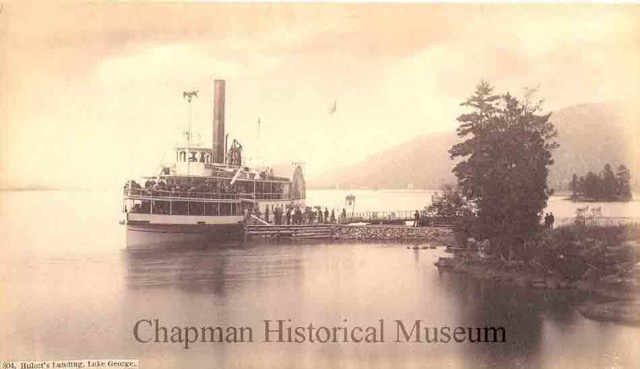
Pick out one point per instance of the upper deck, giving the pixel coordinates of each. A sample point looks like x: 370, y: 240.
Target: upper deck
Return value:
x: 172, y: 195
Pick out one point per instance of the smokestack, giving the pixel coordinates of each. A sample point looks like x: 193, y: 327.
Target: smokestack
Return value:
x: 218, y: 121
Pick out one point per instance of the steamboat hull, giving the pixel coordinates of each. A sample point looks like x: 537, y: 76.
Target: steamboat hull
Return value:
x: 176, y: 235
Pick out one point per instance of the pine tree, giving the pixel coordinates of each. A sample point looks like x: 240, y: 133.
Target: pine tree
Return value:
x: 609, y: 183
x: 592, y: 185
x: 506, y: 153
x: 575, y: 186
x: 623, y: 177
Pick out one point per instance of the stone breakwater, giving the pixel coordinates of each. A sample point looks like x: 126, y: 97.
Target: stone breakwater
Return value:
x: 392, y: 233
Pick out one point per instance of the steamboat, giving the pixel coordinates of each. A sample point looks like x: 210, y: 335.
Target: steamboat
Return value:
x: 207, y: 194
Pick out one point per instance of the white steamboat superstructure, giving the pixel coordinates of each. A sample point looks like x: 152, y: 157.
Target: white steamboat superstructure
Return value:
x: 207, y: 195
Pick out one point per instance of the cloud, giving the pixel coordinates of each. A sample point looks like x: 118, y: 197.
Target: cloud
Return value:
x: 107, y: 74
x: 165, y: 62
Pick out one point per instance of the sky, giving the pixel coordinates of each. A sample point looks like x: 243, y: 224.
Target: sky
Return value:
x: 91, y: 94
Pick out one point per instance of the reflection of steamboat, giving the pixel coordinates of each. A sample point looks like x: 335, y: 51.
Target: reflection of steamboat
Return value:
x: 207, y: 195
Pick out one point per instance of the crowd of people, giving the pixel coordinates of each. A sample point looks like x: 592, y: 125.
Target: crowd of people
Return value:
x: 203, y: 187
x: 152, y: 187
x: 296, y: 216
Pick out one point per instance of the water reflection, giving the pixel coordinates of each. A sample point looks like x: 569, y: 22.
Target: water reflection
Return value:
x: 543, y: 328
x: 208, y: 269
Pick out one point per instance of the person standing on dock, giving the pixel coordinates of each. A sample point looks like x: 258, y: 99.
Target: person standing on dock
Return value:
x: 416, y: 217
x: 326, y: 215
x: 298, y: 217
x: 310, y: 215
x: 275, y: 215
x: 288, y: 216
x: 333, y: 216
x: 343, y: 216
x: 266, y: 214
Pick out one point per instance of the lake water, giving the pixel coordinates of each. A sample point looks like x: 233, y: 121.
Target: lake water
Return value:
x: 412, y: 200
x: 69, y: 289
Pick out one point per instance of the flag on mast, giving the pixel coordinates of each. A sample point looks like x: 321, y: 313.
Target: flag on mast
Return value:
x: 334, y: 107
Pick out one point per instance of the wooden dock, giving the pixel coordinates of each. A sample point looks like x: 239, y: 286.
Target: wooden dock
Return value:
x: 389, y: 221
x: 318, y: 231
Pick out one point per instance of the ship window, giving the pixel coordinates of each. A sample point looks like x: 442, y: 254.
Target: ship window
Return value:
x: 145, y: 207
x: 179, y: 208
x: 137, y: 206
x: 195, y: 208
x: 212, y: 208
x: 160, y: 207
x: 225, y: 209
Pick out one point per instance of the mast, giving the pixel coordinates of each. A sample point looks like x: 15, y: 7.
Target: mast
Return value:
x: 189, y: 95
x: 258, y: 144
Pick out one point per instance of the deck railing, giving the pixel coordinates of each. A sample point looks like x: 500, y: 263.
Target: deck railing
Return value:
x: 146, y: 192
x: 270, y: 196
x: 382, y: 215
x: 398, y: 216
x: 190, y: 195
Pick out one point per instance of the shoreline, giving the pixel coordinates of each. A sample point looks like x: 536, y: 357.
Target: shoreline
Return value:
x: 599, y: 262
x: 595, y: 199
x: 607, y: 302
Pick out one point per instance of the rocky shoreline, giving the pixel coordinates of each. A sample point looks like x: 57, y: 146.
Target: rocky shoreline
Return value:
x: 393, y: 233
x: 620, y: 305
x: 623, y: 312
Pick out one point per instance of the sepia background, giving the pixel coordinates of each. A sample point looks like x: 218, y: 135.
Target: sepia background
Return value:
x: 91, y: 95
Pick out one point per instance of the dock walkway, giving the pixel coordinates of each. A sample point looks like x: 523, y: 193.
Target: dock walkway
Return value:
x: 290, y: 231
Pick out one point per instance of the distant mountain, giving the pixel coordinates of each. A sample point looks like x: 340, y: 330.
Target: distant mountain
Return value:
x: 590, y: 135
x: 422, y: 162
x: 6, y: 185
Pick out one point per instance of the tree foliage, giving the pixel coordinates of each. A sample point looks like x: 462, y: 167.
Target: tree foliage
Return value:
x: 506, y: 150
x: 606, y: 186
x: 450, y: 203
